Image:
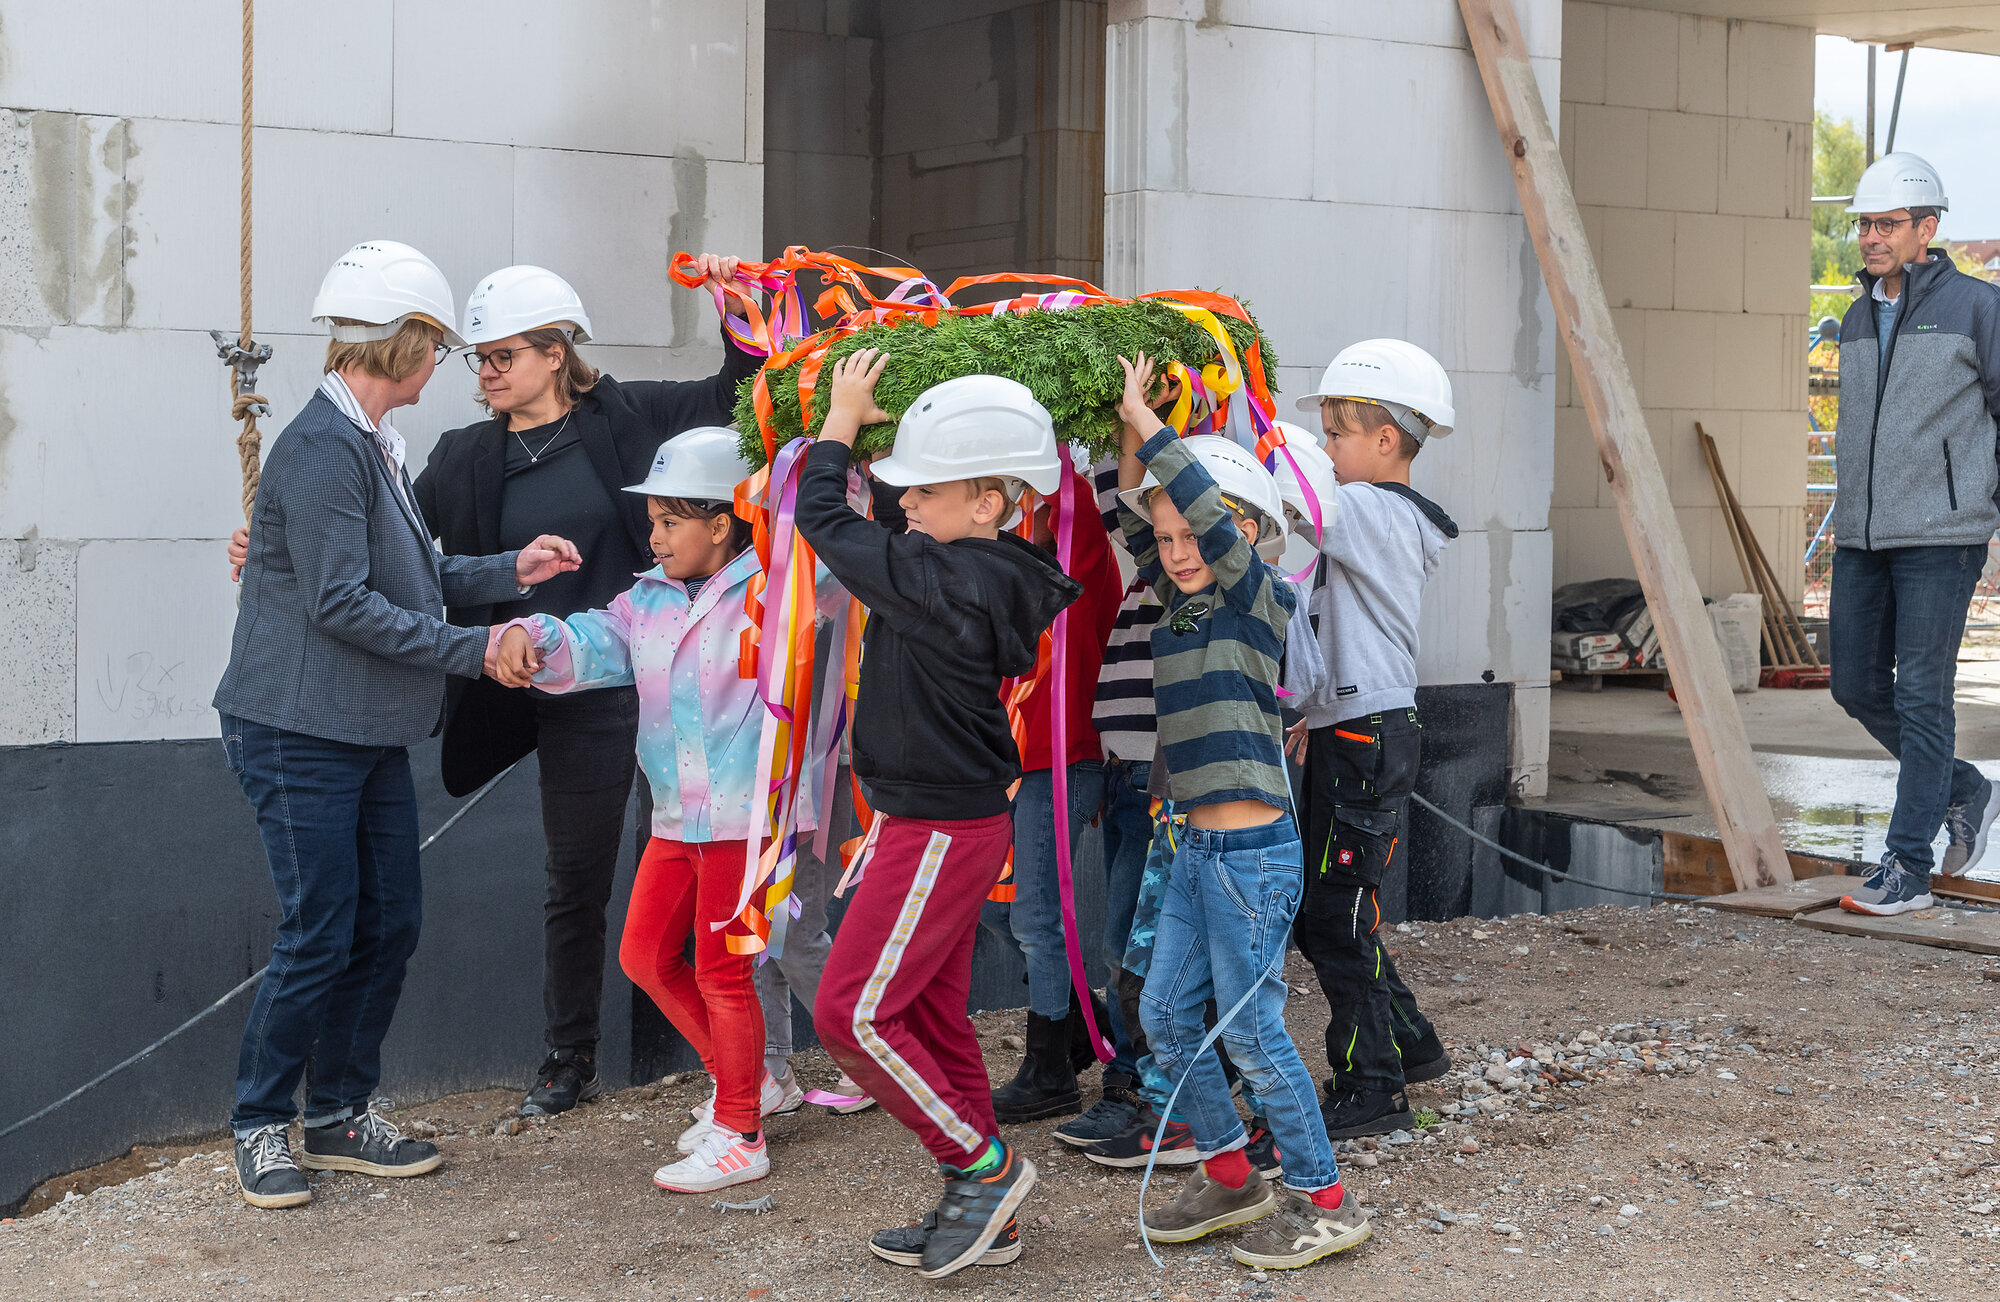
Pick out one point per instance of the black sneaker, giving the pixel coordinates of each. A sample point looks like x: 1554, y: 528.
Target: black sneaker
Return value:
x: 1427, y: 1071
x: 566, y: 1079
x: 1355, y: 1113
x: 1263, y: 1152
x: 370, y: 1145
x: 973, y: 1211
x: 266, y: 1171
x: 1107, y: 1118
x: 1132, y: 1146
x: 904, y: 1245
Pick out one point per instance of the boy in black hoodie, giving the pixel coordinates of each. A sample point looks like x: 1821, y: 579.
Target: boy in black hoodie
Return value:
x: 955, y: 605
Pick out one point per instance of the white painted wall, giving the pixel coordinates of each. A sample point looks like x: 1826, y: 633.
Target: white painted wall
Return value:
x: 1335, y: 163
x: 595, y: 137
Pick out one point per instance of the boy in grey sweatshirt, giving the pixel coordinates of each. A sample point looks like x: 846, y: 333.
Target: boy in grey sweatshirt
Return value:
x: 1360, y: 739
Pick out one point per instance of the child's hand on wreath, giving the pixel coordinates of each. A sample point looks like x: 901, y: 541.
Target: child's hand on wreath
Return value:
x: 853, y: 403
x: 515, y: 660
x: 716, y: 268
x: 1134, y: 407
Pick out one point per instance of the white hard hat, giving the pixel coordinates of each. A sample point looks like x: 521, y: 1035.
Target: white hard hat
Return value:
x: 383, y: 284
x: 1393, y: 374
x: 704, y: 464
x: 1301, y: 542
x: 1898, y: 180
x: 514, y: 299
x: 974, y: 426
x: 1242, y: 481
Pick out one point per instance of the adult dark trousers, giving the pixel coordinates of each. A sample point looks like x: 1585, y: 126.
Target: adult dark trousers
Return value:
x: 1359, y: 775
x: 1896, y: 618
x: 588, y: 754
x: 339, y: 827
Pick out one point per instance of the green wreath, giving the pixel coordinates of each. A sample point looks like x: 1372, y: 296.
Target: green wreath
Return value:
x: 1068, y: 359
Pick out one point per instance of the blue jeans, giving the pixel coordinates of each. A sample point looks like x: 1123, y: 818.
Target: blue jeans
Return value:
x: 339, y: 824
x: 1898, y: 616
x: 1223, y: 926
x: 1034, y: 920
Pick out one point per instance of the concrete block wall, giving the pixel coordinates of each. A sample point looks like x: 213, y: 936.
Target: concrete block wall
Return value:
x: 1688, y: 140
x: 616, y: 134
x: 1336, y: 165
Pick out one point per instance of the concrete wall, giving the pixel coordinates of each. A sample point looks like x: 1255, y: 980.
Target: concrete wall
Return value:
x: 118, y: 246
x: 962, y: 136
x: 1689, y: 143
x: 1336, y: 165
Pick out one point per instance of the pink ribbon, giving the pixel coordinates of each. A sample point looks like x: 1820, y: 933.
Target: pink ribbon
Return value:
x: 1059, y: 767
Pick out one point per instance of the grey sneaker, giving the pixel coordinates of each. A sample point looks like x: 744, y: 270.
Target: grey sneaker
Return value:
x: 1204, y: 1206
x: 905, y: 1244
x: 1889, y: 890
x: 1299, y: 1234
x: 370, y: 1145
x: 266, y: 1171
x: 1970, y: 827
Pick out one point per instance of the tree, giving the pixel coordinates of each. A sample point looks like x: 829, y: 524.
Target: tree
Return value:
x: 1837, y: 166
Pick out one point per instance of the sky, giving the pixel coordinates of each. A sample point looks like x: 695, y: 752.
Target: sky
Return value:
x: 1951, y: 115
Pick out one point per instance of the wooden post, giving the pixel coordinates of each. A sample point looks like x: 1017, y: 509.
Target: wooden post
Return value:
x: 1749, y: 832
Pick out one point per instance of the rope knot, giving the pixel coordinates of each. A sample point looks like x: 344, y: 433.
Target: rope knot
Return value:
x: 247, y: 405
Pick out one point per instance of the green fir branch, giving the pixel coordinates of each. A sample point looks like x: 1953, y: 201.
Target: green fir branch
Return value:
x: 1067, y: 358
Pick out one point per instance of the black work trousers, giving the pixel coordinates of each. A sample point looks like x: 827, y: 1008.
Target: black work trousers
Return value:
x: 1359, y: 776
x: 587, y: 744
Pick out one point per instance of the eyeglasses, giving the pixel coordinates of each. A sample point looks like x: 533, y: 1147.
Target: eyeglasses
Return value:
x: 502, y: 359
x: 1182, y: 622
x: 1882, y: 225
x: 439, y: 351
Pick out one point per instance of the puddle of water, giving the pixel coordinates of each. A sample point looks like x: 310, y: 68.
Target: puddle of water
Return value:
x: 1840, y: 807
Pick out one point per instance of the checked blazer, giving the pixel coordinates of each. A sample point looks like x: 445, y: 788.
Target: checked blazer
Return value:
x: 341, y: 633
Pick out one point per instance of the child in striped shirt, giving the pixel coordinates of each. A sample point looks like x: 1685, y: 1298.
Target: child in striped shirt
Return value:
x: 1238, y: 870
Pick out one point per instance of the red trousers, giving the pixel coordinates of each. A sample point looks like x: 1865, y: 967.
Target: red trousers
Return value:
x: 681, y: 889
x: 891, y: 1006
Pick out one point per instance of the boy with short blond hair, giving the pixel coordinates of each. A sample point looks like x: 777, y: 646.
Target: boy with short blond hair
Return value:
x: 1380, y: 402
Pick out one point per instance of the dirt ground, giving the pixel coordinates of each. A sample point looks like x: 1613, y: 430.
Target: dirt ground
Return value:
x: 1686, y: 1105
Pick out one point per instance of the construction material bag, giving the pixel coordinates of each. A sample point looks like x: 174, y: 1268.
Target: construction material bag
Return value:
x: 1738, y: 622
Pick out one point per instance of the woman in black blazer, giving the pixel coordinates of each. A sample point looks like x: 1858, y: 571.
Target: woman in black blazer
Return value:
x: 562, y: 442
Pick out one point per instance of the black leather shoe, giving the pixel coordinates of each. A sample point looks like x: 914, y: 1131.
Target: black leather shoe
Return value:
x: 1045, y: 1086
x: 904, y: 1244
x: 267, y: 1172
x: 1418, y: 1073
x: 1355, y: 1113
x: 370, y: 1145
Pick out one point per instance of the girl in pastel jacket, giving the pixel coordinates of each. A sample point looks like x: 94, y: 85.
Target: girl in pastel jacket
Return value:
x: 677, y: 634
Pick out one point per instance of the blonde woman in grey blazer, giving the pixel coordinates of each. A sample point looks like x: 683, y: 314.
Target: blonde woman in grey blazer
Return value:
x: 337, y: 665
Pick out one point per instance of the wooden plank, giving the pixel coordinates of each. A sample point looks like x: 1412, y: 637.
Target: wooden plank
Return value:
x: 1625, y: 449
x: 1789, y: 900
x: 1696, y: 865
x: 1965, y: 888
x: 1978, y: 933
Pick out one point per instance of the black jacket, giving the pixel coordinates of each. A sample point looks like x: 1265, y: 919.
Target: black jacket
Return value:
x: 946, y: 623
x: 621, y: 425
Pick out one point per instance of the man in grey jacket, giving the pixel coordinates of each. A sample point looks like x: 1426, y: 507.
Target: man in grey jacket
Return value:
x: 337, y: 666
x: 1920, y: 391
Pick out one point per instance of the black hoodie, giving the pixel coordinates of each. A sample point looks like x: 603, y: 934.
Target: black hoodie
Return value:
x: 946, y: 623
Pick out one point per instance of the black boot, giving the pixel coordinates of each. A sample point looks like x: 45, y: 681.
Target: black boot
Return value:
x: 1046, y: 1084
x: 1082, y: 1057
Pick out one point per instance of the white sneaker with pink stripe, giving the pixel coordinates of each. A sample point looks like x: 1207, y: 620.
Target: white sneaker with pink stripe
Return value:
x: 721, y: 1159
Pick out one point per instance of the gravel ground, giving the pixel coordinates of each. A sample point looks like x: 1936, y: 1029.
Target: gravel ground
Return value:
x: 1661, y: 1103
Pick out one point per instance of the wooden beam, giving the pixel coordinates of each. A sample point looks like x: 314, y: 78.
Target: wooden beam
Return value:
x: 1749, y: 833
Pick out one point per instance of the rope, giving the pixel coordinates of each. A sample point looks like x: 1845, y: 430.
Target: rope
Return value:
x: 246, y: 983
x: 1543, y: 868
x: 248, y: 439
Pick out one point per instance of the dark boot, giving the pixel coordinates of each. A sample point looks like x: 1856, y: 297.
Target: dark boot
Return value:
x: 1045, y: 1086
x: 1081, y: 1056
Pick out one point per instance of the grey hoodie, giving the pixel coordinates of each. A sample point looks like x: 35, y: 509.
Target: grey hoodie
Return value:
x: 1916, y: 438
x: 1381, y: 549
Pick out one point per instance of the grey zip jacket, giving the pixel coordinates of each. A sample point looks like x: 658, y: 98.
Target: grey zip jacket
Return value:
x: 1917, y: 438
